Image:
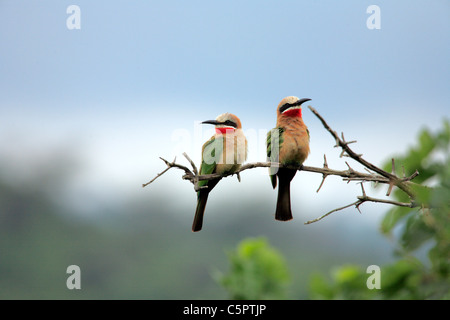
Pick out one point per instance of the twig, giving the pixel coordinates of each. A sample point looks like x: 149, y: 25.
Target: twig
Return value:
x: 324, y: 175
x: 360, y: 201
x: 187, y: 176
x: 330, y: 212
x: 194, y: 168
x: 157, y: 176
x: 395, y: 203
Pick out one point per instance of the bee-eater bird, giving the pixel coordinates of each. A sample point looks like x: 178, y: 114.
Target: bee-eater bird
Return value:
x: 223, y: 153
x: 287, y: 144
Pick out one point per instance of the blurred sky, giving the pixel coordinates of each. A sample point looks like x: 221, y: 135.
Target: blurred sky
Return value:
x: 135, y: 81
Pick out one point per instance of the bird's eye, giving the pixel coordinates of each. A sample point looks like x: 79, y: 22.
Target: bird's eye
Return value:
x: 285, y: 106
x: 230, y: 123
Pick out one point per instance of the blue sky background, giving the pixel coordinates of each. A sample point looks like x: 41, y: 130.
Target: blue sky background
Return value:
x: 86, y: 114
x: 119, y: 92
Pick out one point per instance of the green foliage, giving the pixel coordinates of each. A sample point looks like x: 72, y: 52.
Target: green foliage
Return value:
x: 413, y: 229
x: 257, y: 271
x: 346, y: 284
x: 432, y: 223
x: 400, y: 280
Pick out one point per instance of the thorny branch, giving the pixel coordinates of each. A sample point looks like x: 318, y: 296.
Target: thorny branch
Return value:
x: 375, y: 174
x: 347, y: 151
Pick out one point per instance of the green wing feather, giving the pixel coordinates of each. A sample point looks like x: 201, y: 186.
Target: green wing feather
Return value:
x: 274, y: 141
x: 211, y: 153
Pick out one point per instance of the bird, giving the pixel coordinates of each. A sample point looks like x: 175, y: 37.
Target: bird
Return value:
x: 287, y: 144
x: 223, y: 153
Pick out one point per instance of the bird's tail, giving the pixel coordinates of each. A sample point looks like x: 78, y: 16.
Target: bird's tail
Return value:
x: 200, y: 210
x: 283, y: 211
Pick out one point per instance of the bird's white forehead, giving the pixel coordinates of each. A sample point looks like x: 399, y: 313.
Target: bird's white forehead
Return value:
x: 224, y: 117
x: 291, y: 99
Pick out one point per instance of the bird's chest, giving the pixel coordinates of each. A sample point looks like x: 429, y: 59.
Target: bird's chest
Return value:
x: 233, y: 155
x: 295, y: 146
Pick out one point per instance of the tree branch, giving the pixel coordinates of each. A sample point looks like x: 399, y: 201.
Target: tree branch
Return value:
x: 403, y: 184
x: 375, y: 174
x: 348, y: 175
x: 360, y: 201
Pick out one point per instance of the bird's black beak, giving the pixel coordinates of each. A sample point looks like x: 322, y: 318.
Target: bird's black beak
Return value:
x: 300, y: 101
x: 214, y: 122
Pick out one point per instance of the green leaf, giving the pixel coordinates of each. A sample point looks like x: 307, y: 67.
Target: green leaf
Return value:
x: 426, y: 144
x: 392, y: 218
x: 415, y: 232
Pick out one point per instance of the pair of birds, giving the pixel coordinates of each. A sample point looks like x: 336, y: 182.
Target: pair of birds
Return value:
x: 287, y: 144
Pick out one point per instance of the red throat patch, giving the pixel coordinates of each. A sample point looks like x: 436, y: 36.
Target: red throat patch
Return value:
x: 224, y: 130
x: 293, y: 113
